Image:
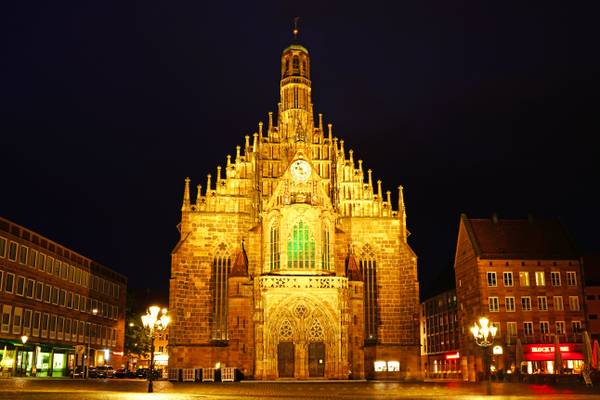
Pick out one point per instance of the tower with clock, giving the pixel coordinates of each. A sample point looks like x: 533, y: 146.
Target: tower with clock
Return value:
x: 294, y: 264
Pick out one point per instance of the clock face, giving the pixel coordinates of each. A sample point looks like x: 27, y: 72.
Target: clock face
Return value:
x: 300, y: 170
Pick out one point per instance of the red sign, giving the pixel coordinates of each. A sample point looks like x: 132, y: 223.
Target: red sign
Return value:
x: 453, y: 356
x: 545, y: 352
x: 544, y: 348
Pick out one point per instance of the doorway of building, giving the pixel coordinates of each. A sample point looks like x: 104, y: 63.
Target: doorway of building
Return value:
x: 285, y: 359
x: 316, y: 359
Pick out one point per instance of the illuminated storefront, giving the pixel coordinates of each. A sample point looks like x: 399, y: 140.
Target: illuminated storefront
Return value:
x: 541, y: 358
x: 444, y: 365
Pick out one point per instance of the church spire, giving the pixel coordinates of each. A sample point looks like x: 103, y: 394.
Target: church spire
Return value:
x: 186, y: 196
x: 402, y: 212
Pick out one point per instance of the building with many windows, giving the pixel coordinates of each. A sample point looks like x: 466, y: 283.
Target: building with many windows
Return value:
x: 293, y: 262
x: 440, y: 352
x: 61, y: 301
x: 525, y: 276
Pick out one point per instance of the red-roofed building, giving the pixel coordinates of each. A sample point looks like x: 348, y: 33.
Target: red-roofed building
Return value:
x: 525, y: 276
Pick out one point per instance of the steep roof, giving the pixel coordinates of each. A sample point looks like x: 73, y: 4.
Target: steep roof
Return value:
x: 544, y: 238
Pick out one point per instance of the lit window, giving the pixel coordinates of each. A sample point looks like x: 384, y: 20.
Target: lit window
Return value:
x: 511, y: 328
x: 571, y: 278
x: 301, y: 247
x: 558, y: 303
x: 274, y: 256
x: 393, y: 366
x: 540, y: 279
x: 380, y: 366
x: 524, y: 278
x: 574, y: 303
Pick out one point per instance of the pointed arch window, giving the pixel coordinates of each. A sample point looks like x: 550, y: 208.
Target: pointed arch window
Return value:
x: 220, y: 273
x: 368, y: 270
x: 301, y: 247
x: 326, y: 265
x: 274, y: 247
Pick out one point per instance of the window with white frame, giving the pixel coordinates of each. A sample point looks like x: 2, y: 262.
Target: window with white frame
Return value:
x: 41, y: 262
x: 571, y: 278
x: 39, y: 289
x: 12, y: 251
x: 491, y: 279
x: 508, y: 279
x: 20, y: 287
x: 47, y: 293
x: 17, y: 320
x: 558, y: 303
x: 542, y: 303
x: 511, y: 329
x: 32, y: 257
x: 576, y: 326
x: 555, y: 278
x: 544, y: 327
x: 6, y: 318
x: 9, y: 282
x: 509, y: 303
x: 574, y: 303
x: 35, y: 323
x: 528, y: 328
x: 44, y: 325
x: 526, y: 303
x: 2, y: 247
x: 560, y: 327
x: 30, y: 288
x: 27, y: 321
x: 23, y: 253
x: 493, y: 304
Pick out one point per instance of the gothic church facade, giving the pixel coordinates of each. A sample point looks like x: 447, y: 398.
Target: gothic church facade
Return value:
x: 293, y: 264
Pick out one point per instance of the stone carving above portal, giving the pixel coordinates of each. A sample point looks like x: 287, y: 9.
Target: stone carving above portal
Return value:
x: 303, y: 282
x: 315, y: 332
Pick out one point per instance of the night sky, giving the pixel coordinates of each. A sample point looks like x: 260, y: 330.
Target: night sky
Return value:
x: 474, y: 107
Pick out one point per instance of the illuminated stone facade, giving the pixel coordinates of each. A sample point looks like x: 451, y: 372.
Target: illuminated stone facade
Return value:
x: 292, y: 264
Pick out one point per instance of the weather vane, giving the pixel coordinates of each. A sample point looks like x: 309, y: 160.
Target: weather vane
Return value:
x: 295, y: 31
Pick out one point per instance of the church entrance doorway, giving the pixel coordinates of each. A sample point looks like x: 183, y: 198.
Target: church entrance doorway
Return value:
x: 285, y: 359
x: 316, y: 359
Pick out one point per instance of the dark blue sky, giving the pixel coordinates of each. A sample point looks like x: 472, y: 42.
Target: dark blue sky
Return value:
x: 474, y: 107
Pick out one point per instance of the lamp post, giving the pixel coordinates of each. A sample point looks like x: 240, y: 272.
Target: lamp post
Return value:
x: 87, y: 357
x: 24, y: 339
x: 153, y: 323
x: 484, y: 334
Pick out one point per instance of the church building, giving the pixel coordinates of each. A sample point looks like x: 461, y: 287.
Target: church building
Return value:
x: 292, y: 262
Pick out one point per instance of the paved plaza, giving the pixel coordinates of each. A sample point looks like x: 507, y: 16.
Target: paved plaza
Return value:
x: 129, y: 389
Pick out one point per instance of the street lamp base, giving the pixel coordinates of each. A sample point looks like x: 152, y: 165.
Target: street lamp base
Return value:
x: 150, y: 389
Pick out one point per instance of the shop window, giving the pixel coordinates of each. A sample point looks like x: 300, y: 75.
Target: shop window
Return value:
x: 555, y: 278
x: 509, y: 303
x: 571, y: 278
x: 542, y: 303
x: 12, y: 251
x: 393, y: 366
x: 491, y: 279
x: 526, y: 303
x: 558, y: 303
x: 380, y: 366
x: 508, y: 279
x: 524, y: 279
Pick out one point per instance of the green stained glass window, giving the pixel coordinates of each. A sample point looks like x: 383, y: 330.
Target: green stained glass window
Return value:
x: 301, y: 247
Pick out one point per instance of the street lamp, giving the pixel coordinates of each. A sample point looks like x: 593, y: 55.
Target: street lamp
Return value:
x: 484, y: 334
x: 87, y: 357
x: 153, y: 323
x: 24, y: 339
